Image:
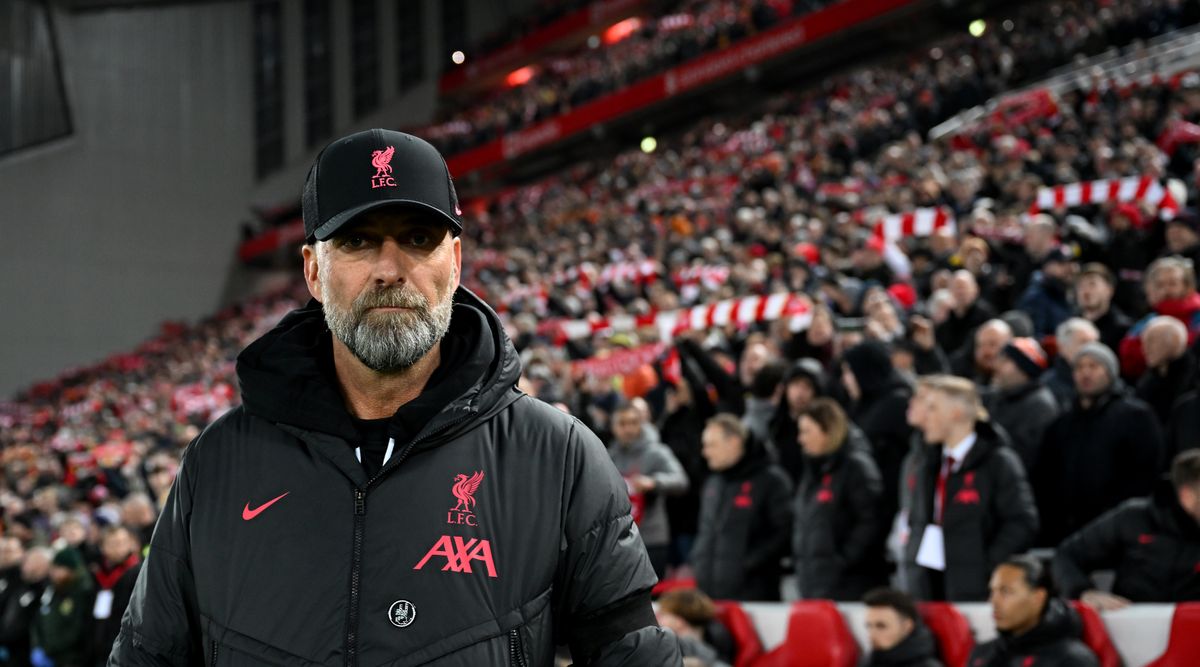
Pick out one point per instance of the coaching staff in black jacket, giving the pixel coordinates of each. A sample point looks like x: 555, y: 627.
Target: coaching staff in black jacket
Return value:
x: 1152, y: 543
x: 969, y: 503
x: 385, y: 495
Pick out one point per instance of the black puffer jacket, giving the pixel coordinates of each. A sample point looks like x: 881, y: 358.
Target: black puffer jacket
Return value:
x: 838, y: 541
x: 418, y: 565
x: 745, y: 525
x: 1151, y: 543
x: 918, y: 649
x: 989, y: 516
x: 1053, y: 642
x: 1025, y: 412
x: 1093, y: 459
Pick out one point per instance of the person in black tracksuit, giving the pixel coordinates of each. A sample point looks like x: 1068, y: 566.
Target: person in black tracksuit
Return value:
x: 840, y: 529
x: 745, y: 516
x: 385, y: 494
x: 1033, y: 626
x: 1152, y: 543
x: 988, y: 514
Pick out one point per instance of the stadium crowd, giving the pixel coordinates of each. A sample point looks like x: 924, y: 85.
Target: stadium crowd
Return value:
x: 645, y: 46
x: 943, y: 402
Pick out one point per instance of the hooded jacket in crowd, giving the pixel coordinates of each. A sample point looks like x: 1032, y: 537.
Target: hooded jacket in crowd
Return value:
x: 1094, y: 458
x: 1151, y: 544
x: 1025, y: 412
x: 745, y: 526
x: 840, y: 528
x: 498, y: 529
x: 989, y: 514
x: 882, y: 413
x: 918, y: 649
x: 1054, y: 642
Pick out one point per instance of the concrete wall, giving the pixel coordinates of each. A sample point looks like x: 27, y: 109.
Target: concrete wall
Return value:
x: 134, y: 219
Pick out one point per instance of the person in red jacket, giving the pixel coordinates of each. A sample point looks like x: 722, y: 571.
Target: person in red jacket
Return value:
x: 1171, y: 290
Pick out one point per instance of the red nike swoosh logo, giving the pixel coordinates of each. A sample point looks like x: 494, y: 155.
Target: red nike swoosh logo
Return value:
x: 248, y: 513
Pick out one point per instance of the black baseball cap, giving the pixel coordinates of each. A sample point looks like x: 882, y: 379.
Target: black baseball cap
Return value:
x: 375, y: 169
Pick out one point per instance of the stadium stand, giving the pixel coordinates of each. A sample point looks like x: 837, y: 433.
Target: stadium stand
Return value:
x: 900, y: 203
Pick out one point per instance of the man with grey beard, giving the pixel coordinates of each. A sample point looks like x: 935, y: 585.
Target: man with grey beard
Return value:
x: 385, y: 494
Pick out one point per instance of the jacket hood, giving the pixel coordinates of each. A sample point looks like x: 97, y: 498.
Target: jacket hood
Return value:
x: 917, y: 646
x: 872, y: 367
x: 286, y: 376
x: 1059, y: 622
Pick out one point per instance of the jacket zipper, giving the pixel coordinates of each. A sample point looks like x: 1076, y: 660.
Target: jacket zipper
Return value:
x: 214, y: 654
x: 360, y: 520
x: 516, y: 653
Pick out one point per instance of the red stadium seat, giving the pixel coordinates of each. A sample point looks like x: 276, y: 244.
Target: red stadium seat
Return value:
x: 1184, y: 644
x: 745, y: 637
x: 817, y: 636
x: 1095, y: 635
x: 953, y: 632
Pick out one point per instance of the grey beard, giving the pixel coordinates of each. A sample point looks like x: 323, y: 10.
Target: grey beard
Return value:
x: 390, y: 342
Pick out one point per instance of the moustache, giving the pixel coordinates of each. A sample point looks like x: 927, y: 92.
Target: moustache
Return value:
x: 392, y: 297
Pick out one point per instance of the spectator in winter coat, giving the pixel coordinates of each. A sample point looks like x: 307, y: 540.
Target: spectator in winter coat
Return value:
x: 1034, y: 627
x: 969, y: 311
x: 879, y: 398
x: 652, y: 473
x: 12, y: 552
x: 61, y: 630
x: 978, y: 361
x: 1069, y: 338
x: 1171, y: 291
x: 838, y: 543
x: 804, y: 382
x: 1152, y: 543
x: 896, y: 634
x: 969, y: 502
x: 22, y: 606
x: 1170, y: 366
x: 1094, y: 298
x: 1020, y: 402
x: 745, y: 516
x: 1106, y: 449
x: 1046, y: 300
x: 115, y: 576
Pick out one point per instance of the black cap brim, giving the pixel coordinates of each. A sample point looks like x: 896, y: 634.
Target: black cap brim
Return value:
x: 331, y: 226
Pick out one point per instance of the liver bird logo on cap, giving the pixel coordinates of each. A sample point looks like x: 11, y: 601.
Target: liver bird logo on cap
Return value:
x: 382, y: 161
x: 464, y: 489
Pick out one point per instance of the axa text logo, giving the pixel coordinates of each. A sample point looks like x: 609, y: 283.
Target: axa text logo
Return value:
x: 459, y: 553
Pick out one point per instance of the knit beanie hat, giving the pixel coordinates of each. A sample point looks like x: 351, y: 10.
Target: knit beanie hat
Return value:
x: 1100, y: 353
x: 1027, y: 355
x: 69, y: 558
